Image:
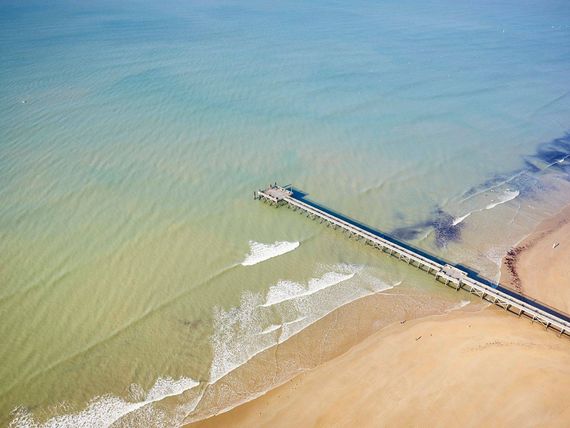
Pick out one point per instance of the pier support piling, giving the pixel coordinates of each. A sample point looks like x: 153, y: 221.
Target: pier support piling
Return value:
x: 509, y: 300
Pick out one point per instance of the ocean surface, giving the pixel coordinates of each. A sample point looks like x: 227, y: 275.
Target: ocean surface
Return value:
x: 141, y: 284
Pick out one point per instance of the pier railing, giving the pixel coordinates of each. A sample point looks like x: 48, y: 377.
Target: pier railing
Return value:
x: 452, y: 276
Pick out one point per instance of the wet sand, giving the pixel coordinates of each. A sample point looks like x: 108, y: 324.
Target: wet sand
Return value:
x: 463, y: 368
x: 485, y: 368
x: 322, y: 341
x: 539, y: 266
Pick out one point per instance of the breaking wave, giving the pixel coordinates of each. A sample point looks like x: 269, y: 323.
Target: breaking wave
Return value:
x: 505, y: 197
x: 240, y: 333
x: 106, y: 410
x: 458, y: 220
x: 259, y: 252
x: 260, y: 322
x: 287, y: 290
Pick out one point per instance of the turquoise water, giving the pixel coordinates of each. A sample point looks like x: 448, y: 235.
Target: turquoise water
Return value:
x: 132, y: 136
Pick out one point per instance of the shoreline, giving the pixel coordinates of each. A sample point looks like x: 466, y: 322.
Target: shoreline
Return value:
x: 426, y: 370
x: 327, y: 338
x: 538, y: 266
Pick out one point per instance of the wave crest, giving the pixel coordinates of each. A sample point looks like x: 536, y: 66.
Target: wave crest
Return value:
x: 260, y: 322
x: 506, y: 196
x: 259, y: 252
x: 288, y: 290
x: 106, y: 410
x: 509, y: 195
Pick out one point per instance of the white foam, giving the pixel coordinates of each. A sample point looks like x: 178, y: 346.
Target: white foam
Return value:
x: 376, y: 284
x: 288, y: 290
x: 248, y: 329
x: 558, y: 161
x: 282, y: 291
x: 259, y: 252
x: 295, y: 321
x: 271, y: 329
x: 105, y: 410
x: 239, y: 333
x: 494, y: 186
x: 460, y: 305
x: 496, y: 255
x: 233, y: 340
x: 509, y: 195
x: 460, y: 219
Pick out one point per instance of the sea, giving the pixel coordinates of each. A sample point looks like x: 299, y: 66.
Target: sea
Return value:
x: 140, y: 282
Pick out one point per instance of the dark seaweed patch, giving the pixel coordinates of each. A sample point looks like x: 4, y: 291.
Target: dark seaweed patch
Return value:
x: 565, y: 168
x: 525, y: 179
x: 554, y: 150
x: 442, y: 225
x: 491, y: 182
x: 530, y: 167
x: 526, y: 184
x: 400, y: 215
x: 445, y: 230
x: 551, y: 155
x: 408, y: 233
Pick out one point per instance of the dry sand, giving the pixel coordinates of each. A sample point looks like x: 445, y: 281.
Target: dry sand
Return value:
x: 539, y: 266
x: 462, y: 369
x: 485, y: 368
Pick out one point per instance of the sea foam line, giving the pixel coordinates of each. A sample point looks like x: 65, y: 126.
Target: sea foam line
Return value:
x: 248, y: 300
x: 239, y: 333
x: 506, y: 197
x: 458, y: 220
x: 105, y: 410
x: 509, y: 195
x: 288, y: 290
x: 495, y: 186
x: 259, y: 252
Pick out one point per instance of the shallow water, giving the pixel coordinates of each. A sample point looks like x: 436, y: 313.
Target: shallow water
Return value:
x: 133, y: 259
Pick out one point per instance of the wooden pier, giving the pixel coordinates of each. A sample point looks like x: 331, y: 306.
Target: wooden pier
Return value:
x: 450, y: 275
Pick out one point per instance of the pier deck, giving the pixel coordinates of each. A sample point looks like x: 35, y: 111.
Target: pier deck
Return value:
x: 452, y: 276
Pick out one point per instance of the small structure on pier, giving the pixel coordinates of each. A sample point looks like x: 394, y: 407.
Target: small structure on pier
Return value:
x: 273, y: 193
x: 452, y: 276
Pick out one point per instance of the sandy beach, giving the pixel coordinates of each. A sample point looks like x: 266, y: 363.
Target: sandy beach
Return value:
x: 476, y: 369
x: 467, y: 369
x: 539, y: 266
